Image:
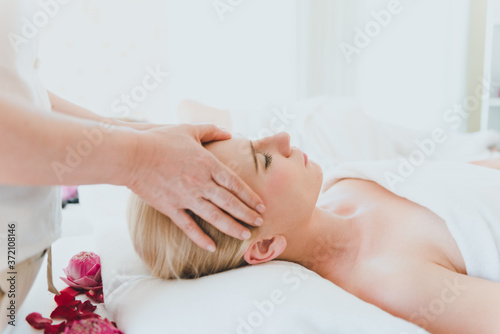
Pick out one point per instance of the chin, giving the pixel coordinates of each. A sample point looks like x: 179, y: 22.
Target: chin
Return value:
x: 318, y: 171
x: 317, y: 174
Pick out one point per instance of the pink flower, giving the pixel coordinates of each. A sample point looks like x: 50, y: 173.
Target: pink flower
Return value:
x: 84, y: 271
x: 69, y: 192
x: 92, y: 325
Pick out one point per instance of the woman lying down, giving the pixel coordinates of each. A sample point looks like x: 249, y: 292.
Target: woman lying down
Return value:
x: 378, y: 246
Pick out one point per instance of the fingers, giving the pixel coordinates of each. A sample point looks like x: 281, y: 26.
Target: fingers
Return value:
x: 210, y: 132
x: 226, y: 178
x: 220, y: 220
x: 228, y: 202
x: 192, y: 230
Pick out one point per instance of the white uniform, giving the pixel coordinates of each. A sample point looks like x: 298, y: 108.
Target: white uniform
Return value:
x: 36, y: 211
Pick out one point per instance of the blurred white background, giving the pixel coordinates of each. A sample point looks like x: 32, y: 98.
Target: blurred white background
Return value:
x: 243, y: 55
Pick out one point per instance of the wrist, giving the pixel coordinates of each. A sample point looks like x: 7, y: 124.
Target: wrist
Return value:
x: 136, y: 125
x: 126, y: 152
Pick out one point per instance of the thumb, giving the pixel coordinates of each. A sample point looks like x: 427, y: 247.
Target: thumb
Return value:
x: 210, y: 132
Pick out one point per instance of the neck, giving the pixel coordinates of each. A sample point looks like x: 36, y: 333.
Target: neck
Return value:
x: 329, y: 242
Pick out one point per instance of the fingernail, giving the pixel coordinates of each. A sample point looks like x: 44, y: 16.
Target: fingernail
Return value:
x: 259, y: 221
x: 211, y: 248
x: 245, y: 235
x: 261, y: 208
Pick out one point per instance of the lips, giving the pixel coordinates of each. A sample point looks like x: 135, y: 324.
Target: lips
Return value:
x: 306, y: 159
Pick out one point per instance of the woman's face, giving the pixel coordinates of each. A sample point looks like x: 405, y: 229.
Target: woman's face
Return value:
x: 287, y: 183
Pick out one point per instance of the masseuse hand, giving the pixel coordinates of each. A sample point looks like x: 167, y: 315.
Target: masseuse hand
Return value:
x: 174, y: 173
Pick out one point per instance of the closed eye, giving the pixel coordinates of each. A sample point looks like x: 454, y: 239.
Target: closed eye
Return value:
x: 269, y: 159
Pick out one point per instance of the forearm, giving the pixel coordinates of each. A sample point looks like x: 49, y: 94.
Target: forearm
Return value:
x: 63, y: 106
x: 52, y: 148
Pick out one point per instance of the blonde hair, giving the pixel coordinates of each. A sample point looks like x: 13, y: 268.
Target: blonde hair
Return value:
x: 169, y: 253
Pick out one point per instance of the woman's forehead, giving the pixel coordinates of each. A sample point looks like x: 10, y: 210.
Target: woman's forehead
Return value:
x: 234, y: 145
x: 236, y: 153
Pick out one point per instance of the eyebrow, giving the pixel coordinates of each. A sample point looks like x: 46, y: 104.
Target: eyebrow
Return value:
x: 254, y: 156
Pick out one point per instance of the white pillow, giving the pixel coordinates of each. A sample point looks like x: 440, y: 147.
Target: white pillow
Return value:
x: 277, y: 297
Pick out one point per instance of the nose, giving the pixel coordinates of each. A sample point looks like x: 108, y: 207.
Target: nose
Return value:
x: 282, y: 141
x: 279, y: 143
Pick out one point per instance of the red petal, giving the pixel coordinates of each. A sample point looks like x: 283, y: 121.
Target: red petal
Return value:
x: 65, y: 312
x: 67, y: 297
x: 36, y: 320
x: 96, y: 295
x: 71, y: 291
x: 99, y: 298
x: 55, y: 329
x: 86, y: 307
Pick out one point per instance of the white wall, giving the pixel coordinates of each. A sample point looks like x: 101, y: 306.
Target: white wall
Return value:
x: 416, y: 69
x: 408, y: 72
x: 93, y: 51
x: 242, y: 62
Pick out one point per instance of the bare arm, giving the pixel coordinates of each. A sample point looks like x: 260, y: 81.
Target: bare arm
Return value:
x: 52, y: 148
x: 63, y: 106
x: 439, y: 300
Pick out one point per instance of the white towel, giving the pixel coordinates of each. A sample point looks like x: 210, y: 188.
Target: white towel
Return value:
x: 465, y: 196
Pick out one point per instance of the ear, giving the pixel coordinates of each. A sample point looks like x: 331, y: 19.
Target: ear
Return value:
x: 264, y: 250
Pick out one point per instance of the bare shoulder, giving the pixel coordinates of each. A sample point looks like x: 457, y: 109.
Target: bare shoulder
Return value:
x: 490, y: 163
x: 431, y: 296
